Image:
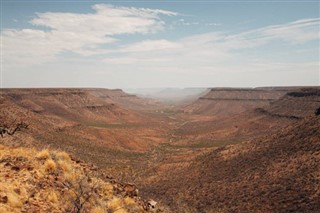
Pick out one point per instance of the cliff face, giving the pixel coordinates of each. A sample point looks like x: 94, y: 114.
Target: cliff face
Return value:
x: 231, y: 101
x: 295, y: 104
x: 125, y: 100
x: 71, y: 104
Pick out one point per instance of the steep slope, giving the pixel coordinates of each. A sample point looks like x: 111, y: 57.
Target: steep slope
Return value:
x: 51, y: 181
x: 279, y: 173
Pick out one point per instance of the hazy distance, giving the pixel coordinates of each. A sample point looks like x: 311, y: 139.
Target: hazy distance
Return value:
x: 169, y: 95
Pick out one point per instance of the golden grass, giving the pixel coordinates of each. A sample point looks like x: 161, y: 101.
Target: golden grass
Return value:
x: 43, y: 155
x: 97, y: 210
x: 115, y: 204
x: 14, y: 200
x: 129, y: 201
x: 120, y: 210
x: 53, y: 196
x: 63, y: 156
x: 50, y: 166
x: 106, y: 190
x: 64, y: 165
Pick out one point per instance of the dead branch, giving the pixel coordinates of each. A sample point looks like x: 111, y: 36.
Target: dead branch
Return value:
x: 5, y: 129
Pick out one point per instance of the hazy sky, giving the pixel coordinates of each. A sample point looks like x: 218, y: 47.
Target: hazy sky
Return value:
x: 134, y: 44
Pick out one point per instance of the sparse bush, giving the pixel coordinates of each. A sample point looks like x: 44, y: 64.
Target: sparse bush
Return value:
x: 81, y: 192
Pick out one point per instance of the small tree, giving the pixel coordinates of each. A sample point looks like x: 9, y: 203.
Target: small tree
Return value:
x: 82, y: 190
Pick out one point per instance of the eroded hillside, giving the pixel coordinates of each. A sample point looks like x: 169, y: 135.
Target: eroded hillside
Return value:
x: 228, y: 151
x: 278, y: 173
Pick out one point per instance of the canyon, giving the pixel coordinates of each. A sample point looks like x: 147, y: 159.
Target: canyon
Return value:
x: 227, y: 150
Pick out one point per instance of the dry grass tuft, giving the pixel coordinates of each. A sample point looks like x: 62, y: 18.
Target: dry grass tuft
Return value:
x: 97, y: 210
x: 115, y: 204
x: 106, y: 190
x: 14, y: 200
x: 50, y: 166
x: 63, y: 156
x: 121, y: 210
x: 128, y: 201
x: 43, y: 155
x: 53, y: 197
x: 64, y: 166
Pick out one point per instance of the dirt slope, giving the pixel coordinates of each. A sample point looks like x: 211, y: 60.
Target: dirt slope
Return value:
x: 276, y: 172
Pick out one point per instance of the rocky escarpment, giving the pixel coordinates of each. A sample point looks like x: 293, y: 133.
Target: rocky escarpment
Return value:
x: 125, y: 100
x: 72, y: 104
x: 295, y: 104
x: 230, y: 101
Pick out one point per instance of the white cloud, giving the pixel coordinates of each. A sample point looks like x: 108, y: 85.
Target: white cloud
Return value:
x: 204, y: 56
x: 216, y: 47
x: 184, y: 22
x: 212, y: 59
x: 107, y: 20
x: 78, y: 33
x: 296, y: 32
x: 151, y: 45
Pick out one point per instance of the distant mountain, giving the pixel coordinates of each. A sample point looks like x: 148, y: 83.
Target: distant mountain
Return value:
x: 169, y: 95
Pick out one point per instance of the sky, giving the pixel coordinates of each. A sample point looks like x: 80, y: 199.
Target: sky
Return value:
x: 152, y: 44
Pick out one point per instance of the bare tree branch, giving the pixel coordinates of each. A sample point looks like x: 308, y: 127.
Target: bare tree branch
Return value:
x: 5, y: 129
